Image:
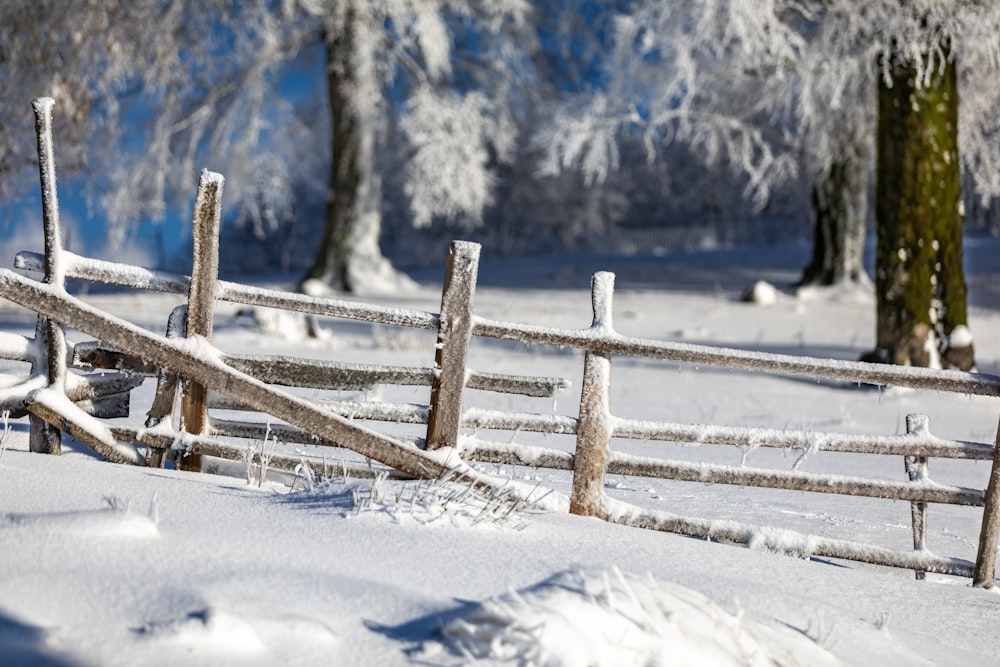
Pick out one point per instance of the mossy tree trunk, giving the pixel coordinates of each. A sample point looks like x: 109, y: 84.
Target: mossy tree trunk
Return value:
x: 840, y: 204
x: 348, y: 256
x: 920, y: 285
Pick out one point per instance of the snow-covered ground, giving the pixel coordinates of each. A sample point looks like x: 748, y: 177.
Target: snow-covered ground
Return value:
x: 103, y: 564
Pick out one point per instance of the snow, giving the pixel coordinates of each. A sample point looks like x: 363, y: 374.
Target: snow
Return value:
x: 608, y: 618
x: 762, y: 293
x: 960, y: 336
x: 104, y: 564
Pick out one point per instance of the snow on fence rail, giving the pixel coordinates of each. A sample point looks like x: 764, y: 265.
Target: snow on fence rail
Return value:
x: 247, y: 381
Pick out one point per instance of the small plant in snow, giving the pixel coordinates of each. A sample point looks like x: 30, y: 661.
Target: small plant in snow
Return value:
x: 117, y: 504
x: 447, y: 497
x: 305, y: 473
x: 822, y: 632
x: 258, y: 458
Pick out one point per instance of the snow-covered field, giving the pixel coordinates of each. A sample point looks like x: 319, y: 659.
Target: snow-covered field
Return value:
x: 111, y: 565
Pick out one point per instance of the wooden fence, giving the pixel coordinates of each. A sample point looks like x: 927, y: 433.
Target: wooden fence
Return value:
x: 254, y: 383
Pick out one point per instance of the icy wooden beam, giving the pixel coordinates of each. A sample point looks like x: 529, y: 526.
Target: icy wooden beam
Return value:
x: 786, y: 541
x: 162, y: 405
x: 911, y: 444
x: 113, y: 273
x: 451, y: 351
x: 916, y: 471
x: 201, y: 298
x: 189, y: 359
x: 52, y: 406
x: 593, y: 435
x: 44, y: 437
x: 14, y: 347
x: 160, y: 440
x: 915, y: 444
x: 399, y: 413
x: 790, y: 480
x: 78, y: 389
x: 921, y: 492
x: 514, y: 454
x: 321, y: 374
x: 610, y: 342
x: 334, y: 375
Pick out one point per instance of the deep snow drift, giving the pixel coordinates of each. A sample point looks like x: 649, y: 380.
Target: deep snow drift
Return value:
x: 112, y: 565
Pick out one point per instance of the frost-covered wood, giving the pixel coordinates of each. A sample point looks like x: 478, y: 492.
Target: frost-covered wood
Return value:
x: 167, y: 382
x: 921, y: 443
x: 201, y: 297
x: 593, y: 436
x: 44, y: 437
x: 158, y: 439
x: 125, y: 275
x: 79, y: 389
x: 400, y: 413
x: 320, y: 374
x: 706, y: 473
x: 454, y: 333
x: 109, y: 273
x: 610, y: 342
x: 14, y: 347
x: 52, y: 406
x: 785, y: 541
x: 916, y: 471
x: 514, y: 454
x: 495, y: 420
x: 913, y: 444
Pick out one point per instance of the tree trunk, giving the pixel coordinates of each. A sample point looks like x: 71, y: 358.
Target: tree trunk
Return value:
x: 840, y: 204
x: 921, y: 293
x: 348, y: 256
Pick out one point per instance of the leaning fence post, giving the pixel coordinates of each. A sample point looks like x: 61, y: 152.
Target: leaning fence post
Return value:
x: 593, y: 435
x: 916, y: 470
x: 985, y: 570
x: 201, y: 298
x: 44, y: 437
x: 454, y: 333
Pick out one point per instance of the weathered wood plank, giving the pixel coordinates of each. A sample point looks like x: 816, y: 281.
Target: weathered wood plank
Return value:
x: 206, y: 220
x: 44, y: 437
x: 785, y: 541
x: 594, y: 427
x: 56, y: 410
x: 451, y: 351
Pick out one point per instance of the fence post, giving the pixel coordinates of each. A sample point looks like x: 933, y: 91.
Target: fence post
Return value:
x: 44, y: 437
x: 201, y: 299
x: 594, y: 428
x: 454, y: 333
x: 916, y: 469
x: 986, y: 556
